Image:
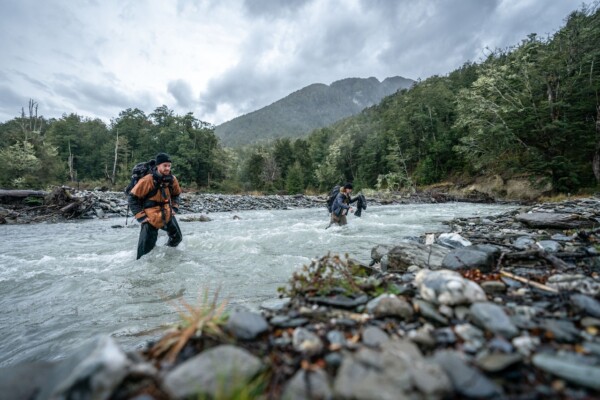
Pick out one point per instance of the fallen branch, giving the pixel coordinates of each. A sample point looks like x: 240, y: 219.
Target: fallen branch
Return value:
x: 528, y: 282
x: 552, y: 259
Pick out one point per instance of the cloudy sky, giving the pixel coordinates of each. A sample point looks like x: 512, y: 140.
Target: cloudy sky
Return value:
x: 223, y: 58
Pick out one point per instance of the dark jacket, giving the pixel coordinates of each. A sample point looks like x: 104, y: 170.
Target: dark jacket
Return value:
x: 157, y: 207
x: 342, y: 202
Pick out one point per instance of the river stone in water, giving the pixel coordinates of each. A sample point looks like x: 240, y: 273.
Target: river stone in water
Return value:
x: 219, y: 370
x: 448, y: 287
x: 403, y: 255
x: 308, y: 385
x: 246, y: 325
x: 571, y: 367
x: 493, y: 318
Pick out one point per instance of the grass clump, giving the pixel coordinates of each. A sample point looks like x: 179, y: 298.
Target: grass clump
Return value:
x: 207, y: 317
x: 323, y: 276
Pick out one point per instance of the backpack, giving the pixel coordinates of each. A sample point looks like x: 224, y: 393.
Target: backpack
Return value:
x: 332, y: 195
x: 138, y: 172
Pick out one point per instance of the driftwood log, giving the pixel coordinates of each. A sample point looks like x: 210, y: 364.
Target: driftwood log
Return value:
x: 59, y: 201
x: 21, y: 194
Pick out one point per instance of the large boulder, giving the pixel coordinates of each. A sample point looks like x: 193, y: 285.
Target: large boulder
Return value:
x: 405, y: 254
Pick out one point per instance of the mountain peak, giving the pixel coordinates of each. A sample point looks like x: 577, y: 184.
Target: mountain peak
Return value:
x: 314, y: 106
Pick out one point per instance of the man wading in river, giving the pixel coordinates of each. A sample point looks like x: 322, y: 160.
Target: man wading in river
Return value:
x: 154, y: 200
x: 341, y: 206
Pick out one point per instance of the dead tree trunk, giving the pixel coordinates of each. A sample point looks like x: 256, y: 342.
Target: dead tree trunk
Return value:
x: 114, y: 172
x: 71, y: 171
x: 596, y: 162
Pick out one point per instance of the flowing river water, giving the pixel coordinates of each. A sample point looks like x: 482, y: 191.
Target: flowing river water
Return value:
x: 61, y: 284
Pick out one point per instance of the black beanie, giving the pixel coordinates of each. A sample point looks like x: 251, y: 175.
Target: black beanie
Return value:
x: 162, y: 158
x: 348, y: 186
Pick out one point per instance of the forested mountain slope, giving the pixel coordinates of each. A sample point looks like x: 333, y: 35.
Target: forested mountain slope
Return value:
x: 312, y: 107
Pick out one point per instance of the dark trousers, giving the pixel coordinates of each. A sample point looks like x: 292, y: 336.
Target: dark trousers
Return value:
x: 149, y: 234
x: 340, y: 220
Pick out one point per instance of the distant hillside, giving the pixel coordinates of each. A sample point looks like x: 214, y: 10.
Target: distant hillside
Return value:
x: 312, y: 107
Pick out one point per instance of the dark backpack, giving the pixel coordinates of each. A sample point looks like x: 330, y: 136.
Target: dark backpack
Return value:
x: 332, y: 195
x: 138, y: 172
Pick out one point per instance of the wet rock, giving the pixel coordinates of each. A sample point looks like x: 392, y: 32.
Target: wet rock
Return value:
x: 574, y: 368
x: 493, y: 287
x: 526, y: 344
x: 468, y: 258
x: 403, y: 255
x: 340, y: 300
x: 554, y: 220
x: 574, y: 282
x: 336, y: 340
x: 586, y: 304
x: 246, y: 325
x: 429, y: 311
x: 389, y: 374
x: 524, y: 243
x: 374, y: 336
x: 94, y: 371
x: 308, y: 385
x: 275, y: 304
x: 218, y: 371
x: 466, y: 380
x: 496, y: 361
x: 448, y: 287
x: 285, y: 321
x: 561, y: 330
x: 472, y: 336
x: 389, y: 305
x: 550, y: 246
x: 24, y: 381
x: 493, y: 318
x: 452, y: 240
x: 306, y: 342
x: 378, y: 252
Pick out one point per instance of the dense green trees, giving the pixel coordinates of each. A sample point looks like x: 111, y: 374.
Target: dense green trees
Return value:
x: 74, y: 148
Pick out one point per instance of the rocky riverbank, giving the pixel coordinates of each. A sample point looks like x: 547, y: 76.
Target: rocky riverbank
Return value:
x: 498, y: 307
x: 64, y: 203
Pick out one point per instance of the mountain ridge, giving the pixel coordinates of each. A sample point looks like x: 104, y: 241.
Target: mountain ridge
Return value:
x: 314, y: 106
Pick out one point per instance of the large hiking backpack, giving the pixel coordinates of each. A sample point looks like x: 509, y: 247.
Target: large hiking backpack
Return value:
x: 138, y: 172
x: 332, y: 195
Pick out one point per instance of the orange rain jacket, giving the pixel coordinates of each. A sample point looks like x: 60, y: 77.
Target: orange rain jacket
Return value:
x: 158, y: 209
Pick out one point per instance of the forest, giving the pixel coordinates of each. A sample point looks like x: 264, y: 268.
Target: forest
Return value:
x: 529, y: 110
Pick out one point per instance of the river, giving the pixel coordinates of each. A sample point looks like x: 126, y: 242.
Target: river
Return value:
x: 61, y: 284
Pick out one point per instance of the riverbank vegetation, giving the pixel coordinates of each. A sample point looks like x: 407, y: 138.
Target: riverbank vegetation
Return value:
x: 532, y: 110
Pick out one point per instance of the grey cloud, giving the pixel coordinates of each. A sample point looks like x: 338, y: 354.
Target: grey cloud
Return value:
x: 182, y: 92
x: 273, y: 9
x: 10, y: 103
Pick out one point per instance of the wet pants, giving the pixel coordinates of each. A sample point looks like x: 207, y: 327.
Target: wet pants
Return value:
x: 340, y: 220
x: 149, y: 234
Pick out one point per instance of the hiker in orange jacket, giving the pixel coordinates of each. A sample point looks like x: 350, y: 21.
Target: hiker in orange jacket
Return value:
x: 154, y: 201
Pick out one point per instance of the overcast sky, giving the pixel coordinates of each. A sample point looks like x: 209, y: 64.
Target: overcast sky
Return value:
x: 223, y: 58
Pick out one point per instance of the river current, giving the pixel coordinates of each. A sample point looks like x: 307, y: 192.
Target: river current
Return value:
x: 61, y: 284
